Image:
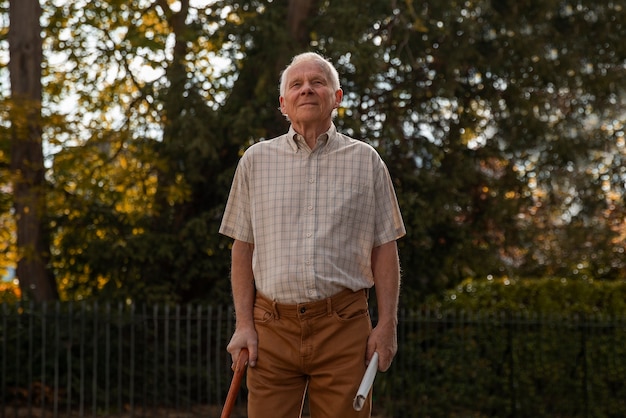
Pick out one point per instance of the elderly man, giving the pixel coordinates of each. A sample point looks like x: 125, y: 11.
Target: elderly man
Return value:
x: 315, y: 219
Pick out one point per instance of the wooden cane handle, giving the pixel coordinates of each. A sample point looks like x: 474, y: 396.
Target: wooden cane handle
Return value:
x: 235, y: 384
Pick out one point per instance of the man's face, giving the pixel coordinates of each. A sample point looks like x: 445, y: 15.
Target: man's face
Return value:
x: 309, y: 97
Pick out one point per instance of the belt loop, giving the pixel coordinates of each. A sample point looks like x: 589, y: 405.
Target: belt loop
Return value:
x: 329, y: 307
x: 275, y: 309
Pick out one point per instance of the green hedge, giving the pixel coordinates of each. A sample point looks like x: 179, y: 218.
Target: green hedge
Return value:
x: 502, y: 348
x: 545, y: 296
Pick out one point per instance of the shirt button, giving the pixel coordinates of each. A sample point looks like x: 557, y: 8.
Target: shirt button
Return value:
x: 310, y: 207
x: 308, y: 235
x: 311, y: 180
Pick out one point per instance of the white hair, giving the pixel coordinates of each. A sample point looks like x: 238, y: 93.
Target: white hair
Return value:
x: 328, y: 68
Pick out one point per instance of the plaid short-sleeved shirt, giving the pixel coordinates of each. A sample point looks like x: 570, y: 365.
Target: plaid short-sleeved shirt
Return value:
x: 313, y: 216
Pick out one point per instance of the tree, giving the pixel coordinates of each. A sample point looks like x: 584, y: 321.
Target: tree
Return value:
x: 505, y: 140
x: 136, y: 203
x: 483, y: 112
x: 27, y: 167
x: 168, y: 249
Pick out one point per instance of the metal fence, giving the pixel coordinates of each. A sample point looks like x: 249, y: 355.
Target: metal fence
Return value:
x: 82, y: 359
x: 105, y: 360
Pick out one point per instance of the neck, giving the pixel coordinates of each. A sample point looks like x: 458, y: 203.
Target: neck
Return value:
x: 311, y: 132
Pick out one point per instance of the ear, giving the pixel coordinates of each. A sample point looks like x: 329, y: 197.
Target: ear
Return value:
x: 281, y: 100
x: 338, y: 97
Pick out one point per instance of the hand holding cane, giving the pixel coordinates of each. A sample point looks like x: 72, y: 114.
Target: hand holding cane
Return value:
x: 235, y: 384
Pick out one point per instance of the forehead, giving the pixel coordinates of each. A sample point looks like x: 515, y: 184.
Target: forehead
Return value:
x: 307, y: 69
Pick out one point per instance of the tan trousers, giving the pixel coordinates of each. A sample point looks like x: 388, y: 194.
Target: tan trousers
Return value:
x: 316, y: 347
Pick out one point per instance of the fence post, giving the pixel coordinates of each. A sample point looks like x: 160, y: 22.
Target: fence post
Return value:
x: 57, y: 355
x: 583, y: 347
x: 3, y: 365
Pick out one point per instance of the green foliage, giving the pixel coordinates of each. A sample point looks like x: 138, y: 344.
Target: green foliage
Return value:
x: 483, y: 117
x: 527, y: 348
x: 547, y: 296
x: 135, y: 210
x: 504, y: 138
x: 466, y: 363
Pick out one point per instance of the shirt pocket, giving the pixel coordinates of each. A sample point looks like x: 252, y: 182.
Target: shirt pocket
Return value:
x: 347, y: 203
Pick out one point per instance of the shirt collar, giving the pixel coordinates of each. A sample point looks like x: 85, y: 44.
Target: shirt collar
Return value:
x: 295, y: 140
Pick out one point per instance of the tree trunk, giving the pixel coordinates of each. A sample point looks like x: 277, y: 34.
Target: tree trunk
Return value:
x: 27, y: 165
x: 298, y: 13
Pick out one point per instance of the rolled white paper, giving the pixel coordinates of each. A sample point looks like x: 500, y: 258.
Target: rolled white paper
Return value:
x: 366, y: 383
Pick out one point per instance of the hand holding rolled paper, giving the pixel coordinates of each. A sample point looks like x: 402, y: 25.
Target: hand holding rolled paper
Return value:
x: 366, y: 383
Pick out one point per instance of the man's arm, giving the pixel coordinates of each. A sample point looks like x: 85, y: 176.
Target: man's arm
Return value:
x: 242, y: 282
x: 384, y: 338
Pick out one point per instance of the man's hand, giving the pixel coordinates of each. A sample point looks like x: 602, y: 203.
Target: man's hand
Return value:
x: 383, y: 340
x: 244, y: 337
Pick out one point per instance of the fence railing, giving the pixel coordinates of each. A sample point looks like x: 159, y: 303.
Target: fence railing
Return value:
x: 88, y: 359
x: 105, y: 360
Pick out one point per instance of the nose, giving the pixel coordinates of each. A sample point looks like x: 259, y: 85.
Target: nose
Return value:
x: 306, y: 89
